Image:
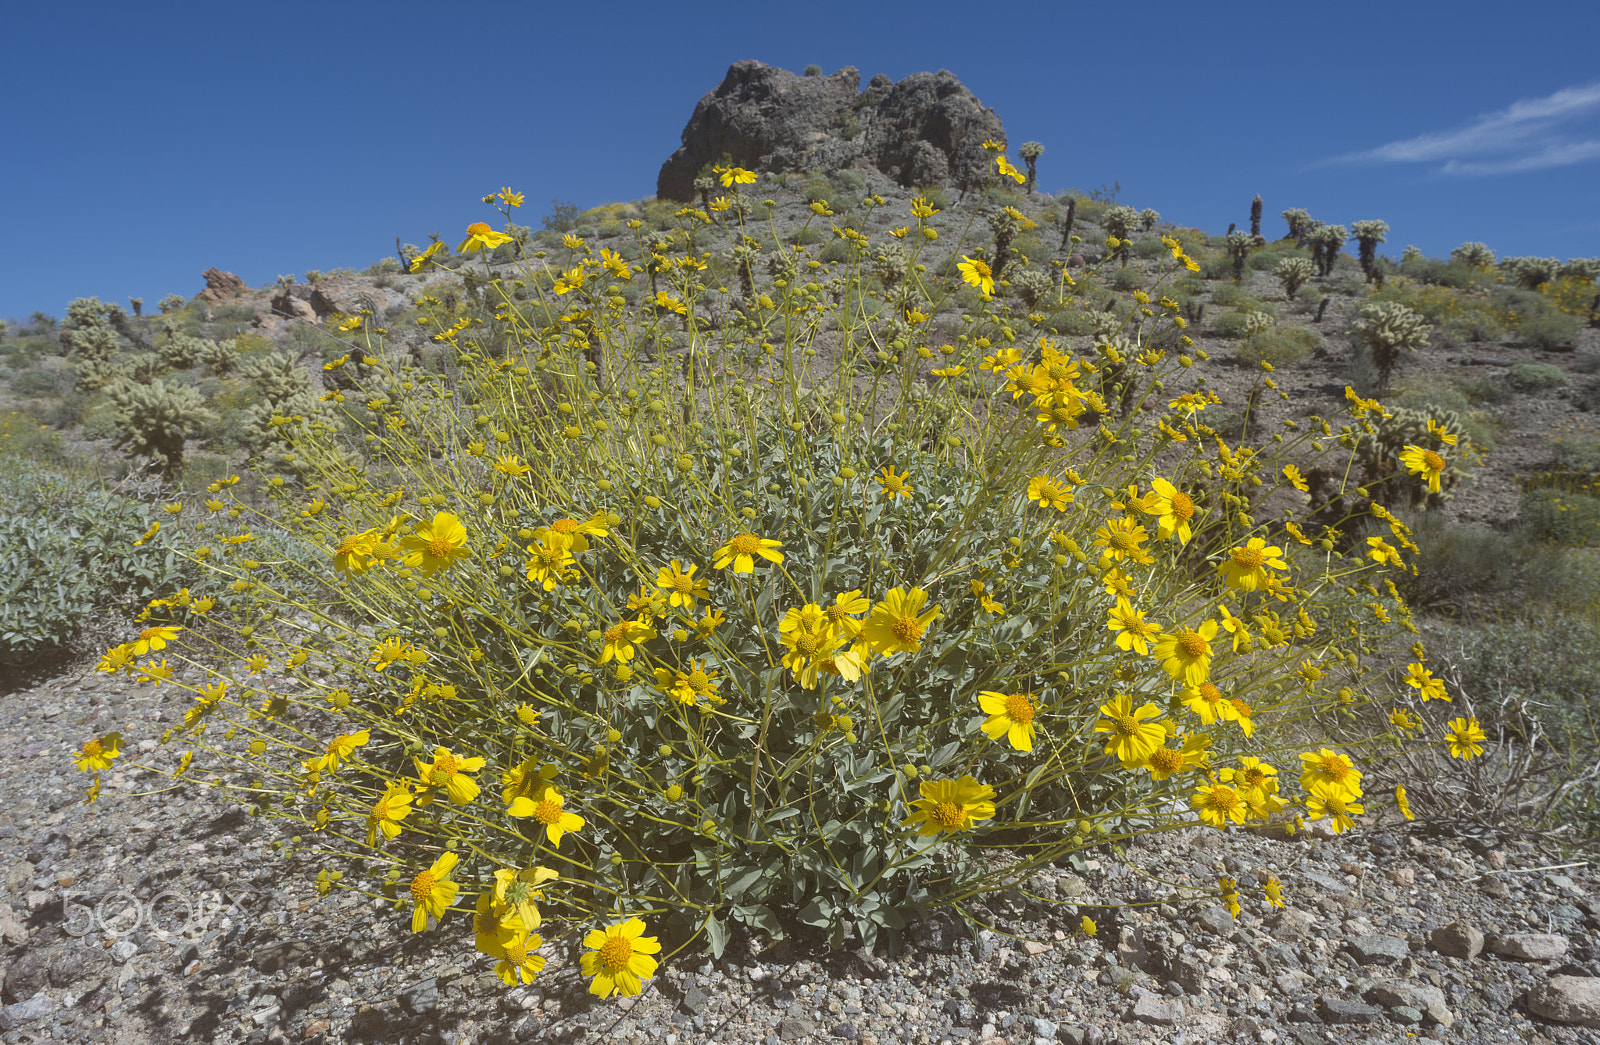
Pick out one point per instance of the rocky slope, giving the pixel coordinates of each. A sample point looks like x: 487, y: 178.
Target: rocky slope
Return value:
x: 1391, y: 931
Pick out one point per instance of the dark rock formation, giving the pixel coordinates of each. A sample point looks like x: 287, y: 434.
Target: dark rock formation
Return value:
x: 927, y: 129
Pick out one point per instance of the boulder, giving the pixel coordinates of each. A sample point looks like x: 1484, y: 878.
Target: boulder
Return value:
x: 1458, y: 940
x: 1567, y: 999
x: 927, y: 129
x: 220, y: 286
x: 1531, y: 947
x: 294, y: 302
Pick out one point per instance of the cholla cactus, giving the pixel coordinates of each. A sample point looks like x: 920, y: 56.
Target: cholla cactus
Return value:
x: 1387, y: 329
x: 278, y: 377
x: 1121, y: 221
x: 1326, y: 243
x: 87, y: 333
x: 1255, y: 218
x: 172, y: 303
x: 178, y: 351
x: 1294, y: 273
x: 744, y: 257
x: 1033, y: 287
x: 1369, y: 234
x: 1148, y: 218
x: 1030, y: 153
x: 1255, y: 322
x: 1378, y: 455
x: 155, y: 421
x: 1530, y: 272
x: 1587, y: 269
x: 891, y: 265
x: 703, y: 185
x: 1005, y: 226
x: 218, y: 356
x: 1411, y: 254
x: 1475, y: 254
x: 1238, y: 245
x: 1300, y: 224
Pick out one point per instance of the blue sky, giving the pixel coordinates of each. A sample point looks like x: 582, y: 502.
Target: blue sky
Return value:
x: 148, y: 142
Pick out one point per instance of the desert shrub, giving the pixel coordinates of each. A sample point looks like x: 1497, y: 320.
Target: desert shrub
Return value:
x: 1549, y: 330
x: 1231, y: 295
x: 1561, y: 516
x: 61, y: 412
x: 1279, y: 346
x: 69, y: 550
x: 1529, y: 273
x: 1472, y: 325
x: 1537, y: 377
x: 1240, y: 324
x: 25, y: 437
x: 36, y: 382
x: 1148, y: 248
x: 1440, y: 396
x: 1127, y: 279
x: 645, y: 595
x: 1577, y: 452
x: 1272, y: 256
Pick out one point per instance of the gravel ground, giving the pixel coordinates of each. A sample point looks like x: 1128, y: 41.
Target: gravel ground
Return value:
x: 1392, y: 932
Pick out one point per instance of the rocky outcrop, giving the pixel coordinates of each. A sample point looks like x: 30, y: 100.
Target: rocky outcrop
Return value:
x: 924, y: 130
x: 220, y: 286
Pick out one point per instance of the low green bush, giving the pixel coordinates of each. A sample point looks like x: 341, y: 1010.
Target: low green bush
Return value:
x: 1537, y: 377
x: 1279, y: 346
x: 1562, y: 516
x: 1240, y: 324
x: 68, y: 550
x: 36, y: 382
x: 1549, y: 330
x: 1472, y: 325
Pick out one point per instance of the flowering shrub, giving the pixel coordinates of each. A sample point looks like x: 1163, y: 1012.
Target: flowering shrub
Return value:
x: 679, y: 608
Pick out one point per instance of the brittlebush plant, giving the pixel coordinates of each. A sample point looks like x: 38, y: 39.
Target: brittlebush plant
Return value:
x: 692, y: 608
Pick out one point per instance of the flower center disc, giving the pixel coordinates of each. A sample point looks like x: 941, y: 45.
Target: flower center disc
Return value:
x: 615, y: 953
x: 1192, y: 644
x: 1019, y: 708
x: 1249, y: 558
x: 948, y: 814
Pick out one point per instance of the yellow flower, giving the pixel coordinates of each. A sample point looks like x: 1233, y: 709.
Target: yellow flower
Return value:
x: 978, y: 273
x: 516, y: 890
x: 548, y: 808
x: 1402, y: 802
x: 620, y: 639
x: 949, y: 371
x: 898, y: 622
x: 1086, y: 926
x: 731, y: 176
x: 432, y: 892
x: 1465, y: 738
x: 1230, y: 895
x: 1218, y: 803
x: 1132, y: 736
x: 1421, y: 679
x: 153, y: 639
x: 1010, y: 716
x: 436, y: 544
x: 1274, y: 890
x: 511, y: 465
x: 1122, y: 538
x: 115, y: 659
x: 741, y: 550
x: 509, y: 198
x: 1327, y: 800
x: 950, y: 806
x: 98, y: 753
x: 481, y: 236
x: 448, y: 772
x: 1207, y: 701
x: 1384, y: 552
x: 551, y: 561
x: 689, y: 687
x: 1246, y: 567
x: 426, y: 256
x: 1329, y: 769
x: 519, y: 955
x: 894, y: 485
x: 1133, y: 631
x: 154, y: 673
x: 1047, y: 492
x: 1009, y: 171
x: 681, y: 587
x: 1295, y: 479
x: 618, y: 959
x: 1186, y: 653
x: 340, y: 748
x: 1425, y: 463
x: 986, y: 601
x: 393, y: 806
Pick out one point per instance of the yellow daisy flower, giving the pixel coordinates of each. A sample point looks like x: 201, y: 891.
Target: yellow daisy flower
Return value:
x: 618, y: 958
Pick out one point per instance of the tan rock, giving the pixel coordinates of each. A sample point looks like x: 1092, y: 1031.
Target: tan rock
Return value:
x: 1567, y: 999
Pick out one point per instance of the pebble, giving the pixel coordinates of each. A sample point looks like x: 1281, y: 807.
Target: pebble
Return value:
x: 1377, y: 950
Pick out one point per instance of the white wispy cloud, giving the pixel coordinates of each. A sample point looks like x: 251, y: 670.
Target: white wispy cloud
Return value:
x: 1529, y: 135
